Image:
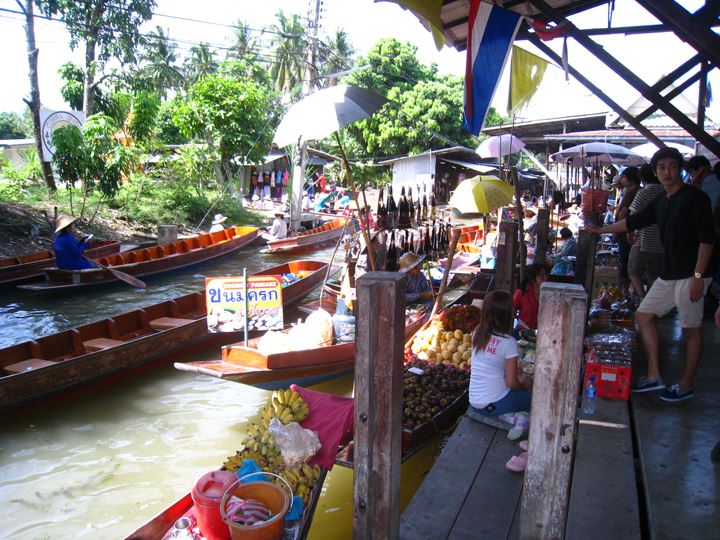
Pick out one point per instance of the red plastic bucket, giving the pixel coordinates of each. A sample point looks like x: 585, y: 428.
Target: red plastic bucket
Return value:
x: 206, y: 495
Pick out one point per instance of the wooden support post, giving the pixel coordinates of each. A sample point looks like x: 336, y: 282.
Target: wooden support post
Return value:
x: 542, y: 232
x: 378, y: 404
x: 585, y: 263
x: 561, y: 326
x: 507, y: 242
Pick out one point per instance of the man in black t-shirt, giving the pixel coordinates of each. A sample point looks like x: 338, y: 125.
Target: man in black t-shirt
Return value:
x: 684, y: 217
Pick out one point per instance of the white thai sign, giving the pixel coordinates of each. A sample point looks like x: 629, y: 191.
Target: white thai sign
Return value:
x: 52, y: 120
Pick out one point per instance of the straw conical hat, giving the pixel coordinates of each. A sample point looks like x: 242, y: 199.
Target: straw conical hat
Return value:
x: 409, y: 261
x: 63, y: 221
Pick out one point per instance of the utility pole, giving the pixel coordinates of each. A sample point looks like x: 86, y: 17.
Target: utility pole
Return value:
x: 307, y: 88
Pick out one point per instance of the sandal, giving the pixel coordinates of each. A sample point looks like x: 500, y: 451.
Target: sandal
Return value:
x: 517, y: 463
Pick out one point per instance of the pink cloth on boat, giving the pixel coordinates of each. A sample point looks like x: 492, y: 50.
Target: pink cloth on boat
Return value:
x: 332, y: 418
x: 247, y: 511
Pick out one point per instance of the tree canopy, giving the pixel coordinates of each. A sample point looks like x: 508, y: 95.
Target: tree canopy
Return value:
x: 11, y: 126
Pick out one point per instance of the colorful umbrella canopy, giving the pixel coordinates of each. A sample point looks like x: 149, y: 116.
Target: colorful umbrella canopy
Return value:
x: 324, y: 112
x: 648, y: 149
x: 601, y: 153
x: 481, y: 195
x: 500, y: 145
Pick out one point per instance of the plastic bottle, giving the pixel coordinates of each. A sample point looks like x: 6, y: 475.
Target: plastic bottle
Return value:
x: 590, y: 396
x: 343, y: 323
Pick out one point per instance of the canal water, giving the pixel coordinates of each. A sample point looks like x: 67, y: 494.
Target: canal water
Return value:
x: 100, y: 464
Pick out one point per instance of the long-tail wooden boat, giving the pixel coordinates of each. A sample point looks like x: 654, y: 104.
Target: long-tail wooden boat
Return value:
x: 246, y: 365
x: 309, y: 240
x: 470, y: 242
x: 150, y: 261
x: 160, y: 527
x: 59, y: 362
x: 29, y: 267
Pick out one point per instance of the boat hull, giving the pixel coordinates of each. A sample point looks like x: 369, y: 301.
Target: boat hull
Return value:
x: 150, y: 261
x: 247, y: 366
x: 71, y: 359
x: 308, y: 241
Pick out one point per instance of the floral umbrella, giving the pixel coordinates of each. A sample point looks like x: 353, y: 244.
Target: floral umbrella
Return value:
x: 481, y: 195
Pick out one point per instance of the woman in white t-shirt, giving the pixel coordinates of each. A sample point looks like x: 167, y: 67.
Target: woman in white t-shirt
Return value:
x: 497, y: 387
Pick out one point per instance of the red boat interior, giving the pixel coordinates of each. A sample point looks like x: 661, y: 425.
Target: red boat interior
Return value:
x: 24, y: 259
x: 186, y: 245
x: 325, y: 227
x: 101, y: 335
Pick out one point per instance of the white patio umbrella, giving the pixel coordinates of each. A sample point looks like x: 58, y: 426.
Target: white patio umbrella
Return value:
x: 499, y: 146
x: 648, y: 149
x: 324, y: 112
x: 601, y: 153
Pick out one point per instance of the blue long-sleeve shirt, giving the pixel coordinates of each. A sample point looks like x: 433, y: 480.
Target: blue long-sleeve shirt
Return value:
x: 69, y: 253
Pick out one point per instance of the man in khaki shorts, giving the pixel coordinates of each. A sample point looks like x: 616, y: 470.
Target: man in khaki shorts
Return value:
x: 684, y: 217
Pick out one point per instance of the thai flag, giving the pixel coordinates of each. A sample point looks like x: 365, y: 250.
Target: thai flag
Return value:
x: 491, y: 32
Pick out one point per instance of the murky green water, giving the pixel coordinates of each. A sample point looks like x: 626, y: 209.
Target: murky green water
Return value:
x: 100, y: 464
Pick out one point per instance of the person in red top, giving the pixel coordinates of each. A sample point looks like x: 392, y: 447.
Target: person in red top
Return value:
x: 527, y: 298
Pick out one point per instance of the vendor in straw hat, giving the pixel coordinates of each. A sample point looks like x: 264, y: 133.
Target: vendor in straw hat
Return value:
x: 69, y: 250
x: 278, y: 229
x: 418, y: 287
x: 217, y: 223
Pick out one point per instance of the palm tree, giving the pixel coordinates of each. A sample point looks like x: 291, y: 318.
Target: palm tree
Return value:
x: 288, y: 45
x: 335, y: 55
x: 201, y: 63
x: 244, y: 41
x: 160, y: 69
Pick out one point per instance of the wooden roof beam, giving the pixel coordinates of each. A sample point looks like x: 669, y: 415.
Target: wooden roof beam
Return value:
x: 694, y: 29
x: 597, y: 91
x: 633, y: 80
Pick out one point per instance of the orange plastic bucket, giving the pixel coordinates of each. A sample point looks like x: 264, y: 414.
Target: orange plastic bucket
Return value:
x: 272, y: 496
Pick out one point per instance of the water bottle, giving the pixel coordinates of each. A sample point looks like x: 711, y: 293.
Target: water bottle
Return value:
x: 590, y: 396
x: 343, y: 323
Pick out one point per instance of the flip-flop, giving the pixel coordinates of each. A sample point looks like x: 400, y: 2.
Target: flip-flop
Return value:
x: 517, y: 463
x: 523, y: 445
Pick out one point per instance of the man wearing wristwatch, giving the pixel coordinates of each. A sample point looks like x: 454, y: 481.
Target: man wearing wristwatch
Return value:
x: 684, y: 217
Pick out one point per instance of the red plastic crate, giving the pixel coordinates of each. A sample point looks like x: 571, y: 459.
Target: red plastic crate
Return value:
x: 611, y: 381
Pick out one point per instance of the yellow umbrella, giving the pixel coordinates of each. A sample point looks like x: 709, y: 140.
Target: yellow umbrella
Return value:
x: 481, y: 195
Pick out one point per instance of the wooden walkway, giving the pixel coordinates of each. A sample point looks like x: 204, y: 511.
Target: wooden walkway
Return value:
x: 469, y: 493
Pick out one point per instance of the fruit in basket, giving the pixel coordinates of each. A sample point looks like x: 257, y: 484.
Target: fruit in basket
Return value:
x: 464, y: 318
x: 426, y: 395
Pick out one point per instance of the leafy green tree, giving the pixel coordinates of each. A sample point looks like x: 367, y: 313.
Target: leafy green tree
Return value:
x: 92, y: 157
x: 288, y: 44
x: 234, y: 117
x: 167, y: 131
x: 424, y: 109
x: 201, y: 63
x: 159, y: 58
x: 335, y: 55
x: 11, y: 126
x: 106, y: 28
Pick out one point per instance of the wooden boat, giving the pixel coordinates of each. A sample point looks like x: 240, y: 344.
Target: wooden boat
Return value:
x: 323, y: 235
x: 245, y: 364
x: 59, y: 362
x: 159, y: 527
x: 150, y: 261
x: 27, y: 268
x: 470, y: 242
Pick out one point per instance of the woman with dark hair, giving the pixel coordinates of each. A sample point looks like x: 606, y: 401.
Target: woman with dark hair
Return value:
x: 630, y: 181
x: 526, y: 299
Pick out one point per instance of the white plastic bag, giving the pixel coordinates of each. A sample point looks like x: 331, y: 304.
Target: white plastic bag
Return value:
x: 319, y: 323
x: 300, y: 338
x: 273, y: 343
x: 296, y: 444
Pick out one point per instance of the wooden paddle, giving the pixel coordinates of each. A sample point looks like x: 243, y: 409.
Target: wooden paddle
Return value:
x: 122, y: 276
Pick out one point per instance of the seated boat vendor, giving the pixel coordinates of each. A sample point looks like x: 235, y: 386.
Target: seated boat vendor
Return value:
x: 526, y: 299
x: 418, y: 287
x: 217, y: 223
x: 69, y: 250
x: 278, y: 229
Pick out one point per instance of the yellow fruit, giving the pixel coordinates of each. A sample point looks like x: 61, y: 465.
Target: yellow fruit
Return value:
x: 456, y: 357
x: 448, y: 336
x: 431, y: 353
x: 458, y: 334
x: 446, y: 355
x: 462, y: 365
x: 467, y: 355
x: 453, y: 345
x: 467, y: 338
